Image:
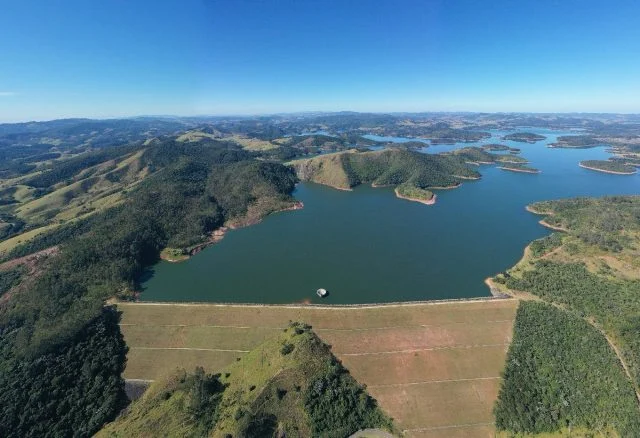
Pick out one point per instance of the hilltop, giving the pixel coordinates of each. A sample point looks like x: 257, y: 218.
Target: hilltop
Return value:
x: 291, y: 385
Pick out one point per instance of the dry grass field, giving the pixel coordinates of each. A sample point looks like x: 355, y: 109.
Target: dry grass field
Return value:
x: 434, y: 367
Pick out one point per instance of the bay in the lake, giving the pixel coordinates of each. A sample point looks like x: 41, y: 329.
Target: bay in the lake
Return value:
x: 368, y: 246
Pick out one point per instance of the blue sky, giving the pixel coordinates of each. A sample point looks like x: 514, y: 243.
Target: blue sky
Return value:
x: 121, y: 58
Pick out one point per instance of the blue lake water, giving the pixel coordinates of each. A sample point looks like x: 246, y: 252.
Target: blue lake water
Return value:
x: 369, y: 246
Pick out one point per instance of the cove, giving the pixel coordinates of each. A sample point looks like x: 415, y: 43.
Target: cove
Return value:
x: 368, y: 246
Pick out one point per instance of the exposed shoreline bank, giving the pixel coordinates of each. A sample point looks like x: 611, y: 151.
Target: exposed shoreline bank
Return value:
x: 455, y: 186
x: 422, y: 201
x: 470, y: 178
x: 607, y: 171
x: 479, y: 163
x: 552, y: 227
x: 511, y: 169
x: 543, y: 222
x: 496, y: 293
x: 344, y: 189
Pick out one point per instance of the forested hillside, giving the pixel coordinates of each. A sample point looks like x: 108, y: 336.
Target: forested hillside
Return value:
x: 187, y: 192
x: 591, y: 273
x: 69, y: 390
x: 561, y: 373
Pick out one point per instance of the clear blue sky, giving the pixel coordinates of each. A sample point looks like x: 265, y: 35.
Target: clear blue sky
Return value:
x: 110, y: 58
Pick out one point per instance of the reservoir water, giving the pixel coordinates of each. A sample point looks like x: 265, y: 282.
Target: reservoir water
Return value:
x: 368, y: 246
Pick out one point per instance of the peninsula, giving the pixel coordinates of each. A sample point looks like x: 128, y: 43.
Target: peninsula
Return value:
x: 518, y: 167
x: 411, y: 193
x: 576, y: 142
x: 511, y: 159
x: 614, y: 167
x: 411, y: 173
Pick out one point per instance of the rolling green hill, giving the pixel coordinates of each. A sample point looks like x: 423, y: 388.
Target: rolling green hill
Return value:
x: 289, y: 386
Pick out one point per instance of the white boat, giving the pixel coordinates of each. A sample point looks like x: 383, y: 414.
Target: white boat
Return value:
x: 322, y: 292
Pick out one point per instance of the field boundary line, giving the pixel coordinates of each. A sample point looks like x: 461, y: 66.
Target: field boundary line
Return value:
x: 414, y: 350
x: 187, y: 348
x: 391, y: 327
x: 453, y: 426
x: 428, y: 382
x: 418, y: 326
x: 126, y: 324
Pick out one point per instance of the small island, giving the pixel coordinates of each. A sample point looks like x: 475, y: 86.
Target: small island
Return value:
x: 524, y: 137
x: 517, y: 167
x: 606, y: 166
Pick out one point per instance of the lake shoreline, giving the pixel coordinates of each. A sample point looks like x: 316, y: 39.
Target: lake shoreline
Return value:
x: 511, y: 169
x: 470, y: 178
x: 607, y: 171
x: 552, y: 227
x: 455, y: 186
x: 431, y: 201
x: 344, y: 189
x: 495, y: 291
x: 218, y: 234
x: 543, y: 222
x: 479, y: 163
x: 530, y: 209
x: 435, y: 302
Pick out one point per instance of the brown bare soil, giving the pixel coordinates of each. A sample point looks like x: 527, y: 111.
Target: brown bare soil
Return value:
x: 434, y: 367
x: 30, y: 260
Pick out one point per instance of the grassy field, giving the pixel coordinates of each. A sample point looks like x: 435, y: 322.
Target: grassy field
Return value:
x: 91, y: 190
x: 434, y: 367
x: 9, y: 244
x: 325, y: 169
x: 252, y: 144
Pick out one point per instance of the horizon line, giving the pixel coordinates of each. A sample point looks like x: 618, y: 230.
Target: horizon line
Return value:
x: 311, y: 112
